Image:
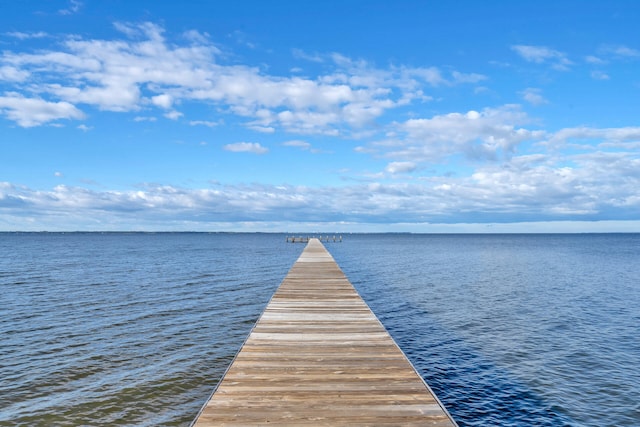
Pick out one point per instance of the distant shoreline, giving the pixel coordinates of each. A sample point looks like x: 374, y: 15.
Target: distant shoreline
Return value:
x: 305, y: 234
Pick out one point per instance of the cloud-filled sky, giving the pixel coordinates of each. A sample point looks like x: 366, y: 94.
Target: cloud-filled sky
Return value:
x: 334, y: 115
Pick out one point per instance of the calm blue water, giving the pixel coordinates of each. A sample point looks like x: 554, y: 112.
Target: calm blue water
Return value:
x: 136, y: 329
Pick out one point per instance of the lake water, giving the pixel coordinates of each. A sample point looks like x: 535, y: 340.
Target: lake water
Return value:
x: 137, y: 328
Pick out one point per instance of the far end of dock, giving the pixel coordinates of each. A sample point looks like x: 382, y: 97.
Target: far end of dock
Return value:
x: 322, y: 238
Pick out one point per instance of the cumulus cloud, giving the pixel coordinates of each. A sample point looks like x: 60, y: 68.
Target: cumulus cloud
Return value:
x: 588, y: 135
x: 207, y: 123
x: 246, y: 147
x: 431, y: 75
x: 25, y: 36
x: 533, y: 96
x: 542, y: 55
x: 414, y: 77
x: 144, y: 119
x: 163, y: 100
x: 197, y: 36
x: 576, y: 172
x: 459, y: 77
x: 588, y: 186
x: 29, y: 112
x: 173, y: 115
x: 488, y: 134
x: 9, y: 73
x: 144, y: 70
x: 297, y: 143
x: 312, y: 57
x: 110, y: 74
x: 400, y: 167
x: 73, y: 7
x: 588, y: 182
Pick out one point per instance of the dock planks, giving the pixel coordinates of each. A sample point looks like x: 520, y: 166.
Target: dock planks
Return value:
x: 319, y: 356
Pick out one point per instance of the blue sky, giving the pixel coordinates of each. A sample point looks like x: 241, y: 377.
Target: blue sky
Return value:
x: 424, y: 116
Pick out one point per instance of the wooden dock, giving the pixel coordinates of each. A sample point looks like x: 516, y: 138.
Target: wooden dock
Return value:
x: 319, y: 356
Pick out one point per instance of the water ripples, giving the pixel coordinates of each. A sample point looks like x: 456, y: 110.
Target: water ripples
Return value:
x: 126, y: 329
x: 136, y: 329
x: 512, y: 330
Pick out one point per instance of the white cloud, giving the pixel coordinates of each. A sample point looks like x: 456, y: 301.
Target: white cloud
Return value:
x: 595, y: 60
x: 588, y: 134
x: 144, y: 119
x: 246, y: 147
x: 599, y: 75
x: 300, y: 54
x: 74, y: 7
x: 620, y: 51
x: 297, y: 143
x: 538, y: 54
x: 488, y: 134
x: 542, y: 54
x: 400, y: 167
x: 164, y: 100
x: 467, y: 78
x: 575, y: 172
x: 431, y: 75
x: 533, y: 96
x: 29, y: 112
x: 173, y: 115
x: 198, y: 37
x: 587, y: 182
x: 117, y: 95
x: 144, y: 69
x: 207, y: 123
x: 598, y: 186
x: 25, y: 36
x: 413, y: 77
x: 262, y: 129
x: 9, y: 73
x: 110, y: 74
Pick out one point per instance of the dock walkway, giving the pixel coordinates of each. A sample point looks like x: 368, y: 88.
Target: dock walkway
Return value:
x: 319, y: 356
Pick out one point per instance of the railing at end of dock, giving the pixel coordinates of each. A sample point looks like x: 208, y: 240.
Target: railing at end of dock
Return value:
x: 305, y: 239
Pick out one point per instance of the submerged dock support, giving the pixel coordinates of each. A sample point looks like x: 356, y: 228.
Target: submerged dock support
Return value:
x: 319, y: 356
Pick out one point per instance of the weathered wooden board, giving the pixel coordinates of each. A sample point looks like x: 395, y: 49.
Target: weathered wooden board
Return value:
x: 319, y: 356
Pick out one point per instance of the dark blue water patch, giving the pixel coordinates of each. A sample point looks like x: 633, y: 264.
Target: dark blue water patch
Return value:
x: 474, y: 390
x: 549, y: 319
